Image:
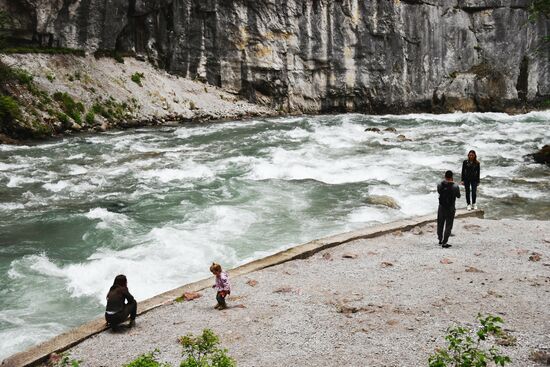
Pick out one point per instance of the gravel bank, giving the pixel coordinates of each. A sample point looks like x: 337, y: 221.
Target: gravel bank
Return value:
x: 405, y: 289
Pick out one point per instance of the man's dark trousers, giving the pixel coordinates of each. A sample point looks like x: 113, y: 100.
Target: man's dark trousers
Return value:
x: 445, y: 219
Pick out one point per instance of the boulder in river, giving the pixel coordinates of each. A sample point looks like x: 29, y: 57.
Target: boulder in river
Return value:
x: 543, y: 155
x: 390, y: 129
x: 373, y: 129
x: 383, y: 200
x: 402, y: 137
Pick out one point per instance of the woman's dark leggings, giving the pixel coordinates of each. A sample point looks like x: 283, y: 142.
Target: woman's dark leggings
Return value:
x: 220, y: 299
x: 473, y: 186
x: 130, y: 309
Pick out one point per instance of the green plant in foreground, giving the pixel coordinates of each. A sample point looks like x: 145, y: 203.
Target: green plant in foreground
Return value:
x: 147, y: 360
x: 63, y: 360
x: 198, y: 351
x: 203, y: 351
x: 464, y: 347
x: 136, y: 78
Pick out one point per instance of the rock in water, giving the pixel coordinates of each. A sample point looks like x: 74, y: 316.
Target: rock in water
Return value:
x: 402, y: 137
x: 383, y: 200
x: 543, y: 155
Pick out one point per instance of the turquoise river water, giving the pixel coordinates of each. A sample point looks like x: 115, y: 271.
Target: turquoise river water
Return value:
x: 160, y: 204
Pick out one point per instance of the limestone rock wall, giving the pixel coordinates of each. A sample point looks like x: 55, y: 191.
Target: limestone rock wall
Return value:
x: 319, y: 55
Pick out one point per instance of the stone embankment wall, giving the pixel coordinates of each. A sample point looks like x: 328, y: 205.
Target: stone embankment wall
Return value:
x: 319, y: 55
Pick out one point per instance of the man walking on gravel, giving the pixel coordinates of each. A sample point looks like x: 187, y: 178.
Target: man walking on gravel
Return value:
x: 448, y: 193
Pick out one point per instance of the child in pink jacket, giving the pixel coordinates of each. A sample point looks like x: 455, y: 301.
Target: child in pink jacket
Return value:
x: 222, y: 285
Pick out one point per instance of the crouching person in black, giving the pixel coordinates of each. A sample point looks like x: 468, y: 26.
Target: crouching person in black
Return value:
x: 448, y: 193
x: 120, y: 303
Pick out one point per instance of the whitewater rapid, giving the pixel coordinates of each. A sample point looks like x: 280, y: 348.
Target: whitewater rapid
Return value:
x: 159, y: 205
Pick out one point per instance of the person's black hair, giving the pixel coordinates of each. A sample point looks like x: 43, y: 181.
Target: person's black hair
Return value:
x: 120, y: 281
x: 449, y: 174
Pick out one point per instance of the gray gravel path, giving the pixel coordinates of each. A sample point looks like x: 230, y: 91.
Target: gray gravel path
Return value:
x: 405, y: 289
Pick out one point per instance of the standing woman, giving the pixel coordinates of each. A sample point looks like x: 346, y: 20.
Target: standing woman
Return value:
x: 470, y: 178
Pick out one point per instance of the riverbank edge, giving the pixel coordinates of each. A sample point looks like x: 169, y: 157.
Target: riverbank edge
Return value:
x: 49, y: 96
x: 39, y: 353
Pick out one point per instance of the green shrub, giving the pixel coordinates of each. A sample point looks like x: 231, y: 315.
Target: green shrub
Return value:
x: 90, y: 117
x: 50, y: 77
x: 111, y: 53
x: 63, y: 360
x: 111, y: 109
x: 8, y: 73
x: 203, y: 351
x: 464, y: 349
x: 539, y: 8
x: 63, y: 118
x: 118, y: 58
x: 23, y: 76
x: 44, y: 50
x: 136, y: 78
x: 9, y: 109
x: 73, y: 109
x: 147, y: 360
x: 41, y: 129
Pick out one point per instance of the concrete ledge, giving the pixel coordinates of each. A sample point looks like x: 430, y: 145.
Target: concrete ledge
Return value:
x: 39, y: 353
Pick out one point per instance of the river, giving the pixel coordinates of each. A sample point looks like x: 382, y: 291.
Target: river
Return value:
x: 160, y: 204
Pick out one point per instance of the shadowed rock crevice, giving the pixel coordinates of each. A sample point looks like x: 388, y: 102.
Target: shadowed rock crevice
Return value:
x: 523, y: 79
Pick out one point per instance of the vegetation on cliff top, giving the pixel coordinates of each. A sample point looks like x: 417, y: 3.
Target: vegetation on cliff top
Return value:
x: 539, y: 8
x: 28, y: 111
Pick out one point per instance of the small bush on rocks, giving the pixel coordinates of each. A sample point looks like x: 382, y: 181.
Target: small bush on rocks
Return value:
x: 198, y: 351
x: 147, y: 360
x: 464, y: 347
x: 203, y: 351
x: 43, y: 50
x: 63, y: 360
x: 9, y: 109
x: 136, y: 78
x: 118, y: 58
x: 8, y: 73
x: 64, y: 119
x: 73, y: 109
x: 90, y: 117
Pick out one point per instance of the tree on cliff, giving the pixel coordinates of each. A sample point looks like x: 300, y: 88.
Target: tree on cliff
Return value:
x: 539, y: 8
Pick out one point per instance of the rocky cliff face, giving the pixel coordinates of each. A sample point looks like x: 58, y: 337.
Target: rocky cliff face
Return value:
x: 319, y: 55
